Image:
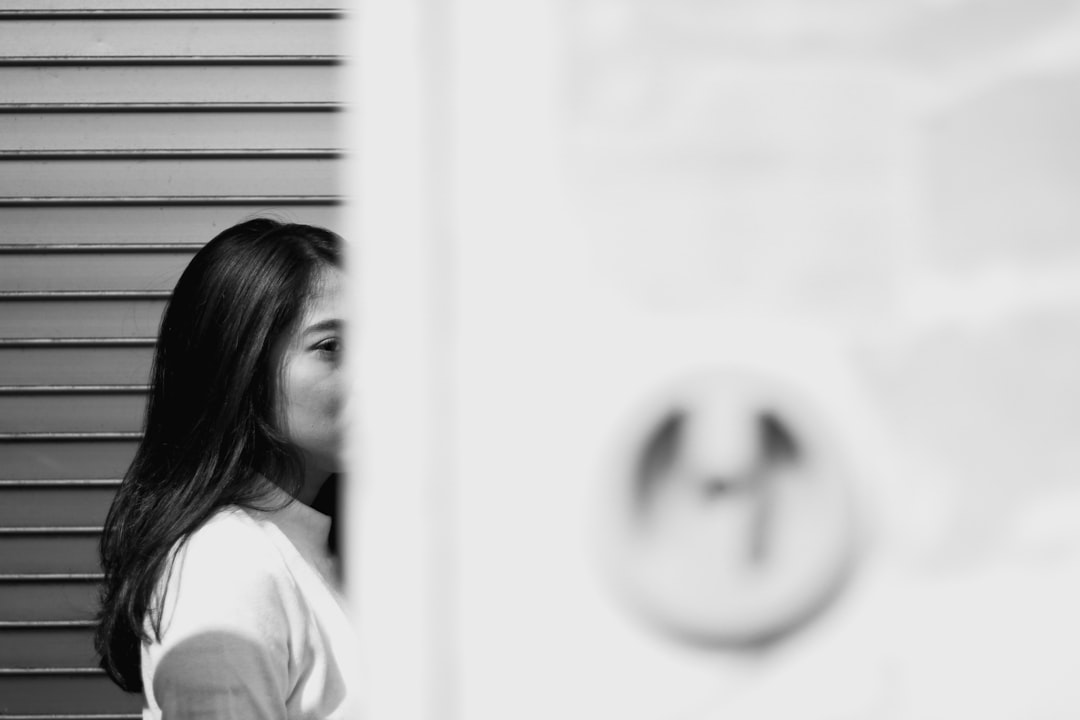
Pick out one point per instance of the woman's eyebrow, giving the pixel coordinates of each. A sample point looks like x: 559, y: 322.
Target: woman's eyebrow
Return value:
x: 324, y: 325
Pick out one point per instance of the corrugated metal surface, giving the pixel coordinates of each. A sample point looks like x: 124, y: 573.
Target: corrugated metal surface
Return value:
x: 130, y: 132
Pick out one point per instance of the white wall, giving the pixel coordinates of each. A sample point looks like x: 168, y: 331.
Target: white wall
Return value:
x: 869, y: 206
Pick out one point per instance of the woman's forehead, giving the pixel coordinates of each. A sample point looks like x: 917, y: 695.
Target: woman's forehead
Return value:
x: 326, y: 300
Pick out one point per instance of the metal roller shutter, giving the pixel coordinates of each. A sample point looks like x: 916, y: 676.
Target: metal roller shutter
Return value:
x: 129, y: 134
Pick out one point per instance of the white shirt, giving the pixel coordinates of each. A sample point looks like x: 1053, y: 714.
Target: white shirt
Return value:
x: 252, y: 625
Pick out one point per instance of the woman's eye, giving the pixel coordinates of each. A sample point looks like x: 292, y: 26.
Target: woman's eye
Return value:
x: 329, y: 345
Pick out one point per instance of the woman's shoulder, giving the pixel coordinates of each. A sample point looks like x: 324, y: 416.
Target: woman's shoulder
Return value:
x: 227, y: 571
x: 232, y: 536
x: 229, y: 550
x: 230, y: 522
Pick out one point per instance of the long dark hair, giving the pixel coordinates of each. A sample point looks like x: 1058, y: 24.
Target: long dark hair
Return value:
x: 211, y: 426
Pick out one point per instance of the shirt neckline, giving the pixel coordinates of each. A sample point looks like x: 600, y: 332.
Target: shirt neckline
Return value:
x: 306, y: 529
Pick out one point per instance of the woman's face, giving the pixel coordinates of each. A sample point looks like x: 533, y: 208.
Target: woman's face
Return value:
x: 313, y: 388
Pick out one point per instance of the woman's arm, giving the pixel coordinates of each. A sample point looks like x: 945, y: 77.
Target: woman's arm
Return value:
x: 218, y: 675
x: 224, y: 650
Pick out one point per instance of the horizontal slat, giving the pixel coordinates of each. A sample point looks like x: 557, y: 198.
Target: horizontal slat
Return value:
x: 275, y: 39
x: 48, y: 530
x: 166, y: 200
x: 113, y: 271
x: 166, y: 106
x: 42, y: 552
x: 153, y: 13
x: 60, y: 483
x: 59, y: 317
x: 148, y: 60
x: 74, y: 458
x: 66, y: 437
x: 65, y: 295
x: 39, y: 647
x: 49, y: 578
x: 53, y: 409
x: 48, y: 601
x: 64, y: 694
x: 98, y: 248
x: 183, y: 178
x: 120, y: 131
x: 106, y: 314
x: 80, y: 716
x: 79, y: 342
x: 74, y: 361
x: 175, y: 154
x: 177, y: 223
x: 173, y: 84
x: 50, y: 270
x: 32, y: 504
x: 36, y: 390
x: 45, y: 624
x: 38, y: 671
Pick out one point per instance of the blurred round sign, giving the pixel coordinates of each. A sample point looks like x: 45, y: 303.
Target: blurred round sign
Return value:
x: 731, y: 522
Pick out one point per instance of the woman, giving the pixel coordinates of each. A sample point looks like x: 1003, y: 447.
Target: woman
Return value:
x: 219, y: 596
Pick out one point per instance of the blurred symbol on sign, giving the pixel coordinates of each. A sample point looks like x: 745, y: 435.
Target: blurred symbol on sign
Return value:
x: 732, y: 519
